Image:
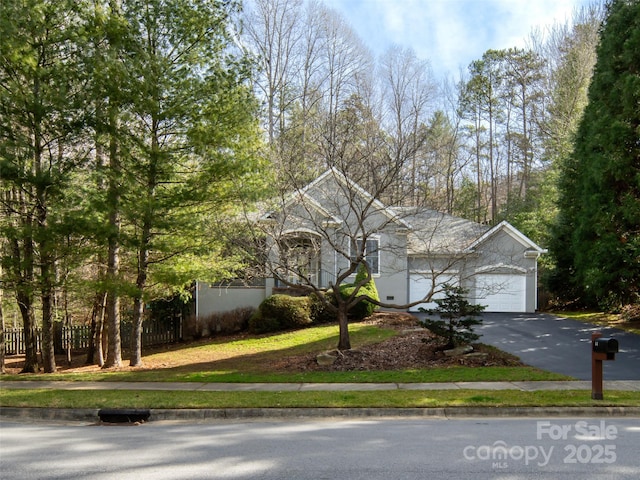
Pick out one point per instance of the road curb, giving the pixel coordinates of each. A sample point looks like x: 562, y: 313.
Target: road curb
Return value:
x: 56, y: 414
x: 212, y: 414
x: 443, y: 412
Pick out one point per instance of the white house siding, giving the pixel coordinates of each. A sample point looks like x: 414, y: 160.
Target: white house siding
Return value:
x: 214, y: 299
x: 392, y: 281
x: 420, y: 283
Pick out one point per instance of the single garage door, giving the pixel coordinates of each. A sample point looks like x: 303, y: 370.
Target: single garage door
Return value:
x: 501, y: 292
x: 420, y: 284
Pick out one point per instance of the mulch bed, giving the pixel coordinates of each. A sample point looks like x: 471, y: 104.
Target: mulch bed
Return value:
x: 413, y: 347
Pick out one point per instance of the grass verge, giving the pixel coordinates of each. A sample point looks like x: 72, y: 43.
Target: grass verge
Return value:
x: 353, y: 399
x: 432, y: 375
x: 602, y: 319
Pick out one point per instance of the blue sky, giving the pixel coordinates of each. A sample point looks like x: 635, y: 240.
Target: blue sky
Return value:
x: 451, y: 33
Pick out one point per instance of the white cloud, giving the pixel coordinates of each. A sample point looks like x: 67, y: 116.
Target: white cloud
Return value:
x: 451, y: 33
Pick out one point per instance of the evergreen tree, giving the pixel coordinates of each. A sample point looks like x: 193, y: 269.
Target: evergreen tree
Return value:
x: 457, y: 317
x: 193, y: 129
x: 128, y: 135
x: 40, y: 144
x: 598, y: 233
x: 187, y: 153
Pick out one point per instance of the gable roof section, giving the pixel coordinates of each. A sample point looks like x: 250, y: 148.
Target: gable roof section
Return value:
x: 513, y: 232
x: 429, y: 232
x: 338, y: 176
x: 301, y: 197
x: 305, y: 199
x: 437, y: 233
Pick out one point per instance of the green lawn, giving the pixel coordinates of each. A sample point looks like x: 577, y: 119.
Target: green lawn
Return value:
x: 369, y: 399
x: 602, y: 319
x: 255, y: 358
x: 450, y: 374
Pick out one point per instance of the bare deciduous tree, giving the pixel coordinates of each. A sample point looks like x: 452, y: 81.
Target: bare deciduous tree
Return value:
x: 318, y: 236
x: 409, y: 92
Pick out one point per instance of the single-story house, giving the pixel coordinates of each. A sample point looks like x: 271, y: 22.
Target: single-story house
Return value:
x: 411, y: 252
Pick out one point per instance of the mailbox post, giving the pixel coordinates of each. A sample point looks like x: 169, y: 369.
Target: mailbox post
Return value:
x: 601, y: 349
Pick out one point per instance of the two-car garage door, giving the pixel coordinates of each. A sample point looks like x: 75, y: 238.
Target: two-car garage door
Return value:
x: 499, y: 292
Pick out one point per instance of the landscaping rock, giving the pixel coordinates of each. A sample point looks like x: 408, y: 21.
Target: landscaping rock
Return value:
x: 456, y: 352
x: 478, y: 355
x: 326, y: 359
x: 409, y: 331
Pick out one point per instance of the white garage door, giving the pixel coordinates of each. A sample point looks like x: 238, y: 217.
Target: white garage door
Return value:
x: 501, y: 292
x: 420, y: 284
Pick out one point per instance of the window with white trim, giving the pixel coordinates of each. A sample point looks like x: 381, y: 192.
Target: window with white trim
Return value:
x: 371, y: 253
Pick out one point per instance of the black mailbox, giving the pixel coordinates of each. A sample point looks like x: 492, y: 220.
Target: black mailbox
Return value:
x: 605, y: 345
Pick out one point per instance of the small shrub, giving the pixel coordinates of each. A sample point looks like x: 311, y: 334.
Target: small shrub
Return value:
x: 292, y: 311
x: 260, y: 324
x: 364, y: 308
x: 280, y: 312
x: 631, y: 313
x: 320, y: 312
x: 191, y: 328
x: 225, y: 322
x: 234, y: 321
x: 457, y: 317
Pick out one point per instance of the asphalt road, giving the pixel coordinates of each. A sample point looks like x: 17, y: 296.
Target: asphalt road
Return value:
x: 384, y: 449
x: 559, y: 345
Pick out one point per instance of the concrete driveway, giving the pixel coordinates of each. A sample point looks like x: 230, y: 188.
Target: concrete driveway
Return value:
x: 558, y: 345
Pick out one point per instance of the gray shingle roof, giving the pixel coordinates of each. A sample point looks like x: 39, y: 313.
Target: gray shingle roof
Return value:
x: 438, y: 233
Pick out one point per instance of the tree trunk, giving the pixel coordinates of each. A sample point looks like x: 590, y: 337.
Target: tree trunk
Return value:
x: 525, y: 149
x: 48, y: 350
x: 492, y: 168
x: 95, y: 353
x: 23, y: 273
x: 43, y: 241
x: 478, y: 171
x: 114, y: 353
x: 114, y: 194
x: 30, y: 333
x: 2, y: 344
x: 343, y: 321
x: 68, y: 321
x: 138, y: 308
x: 136, y: 337
x: 47, y: 347
x: 145, y: 245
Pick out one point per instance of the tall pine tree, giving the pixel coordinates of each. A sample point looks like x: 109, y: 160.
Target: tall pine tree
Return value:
x: 195, y: 135
x: 41, y: 122
x: 599, y: 223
